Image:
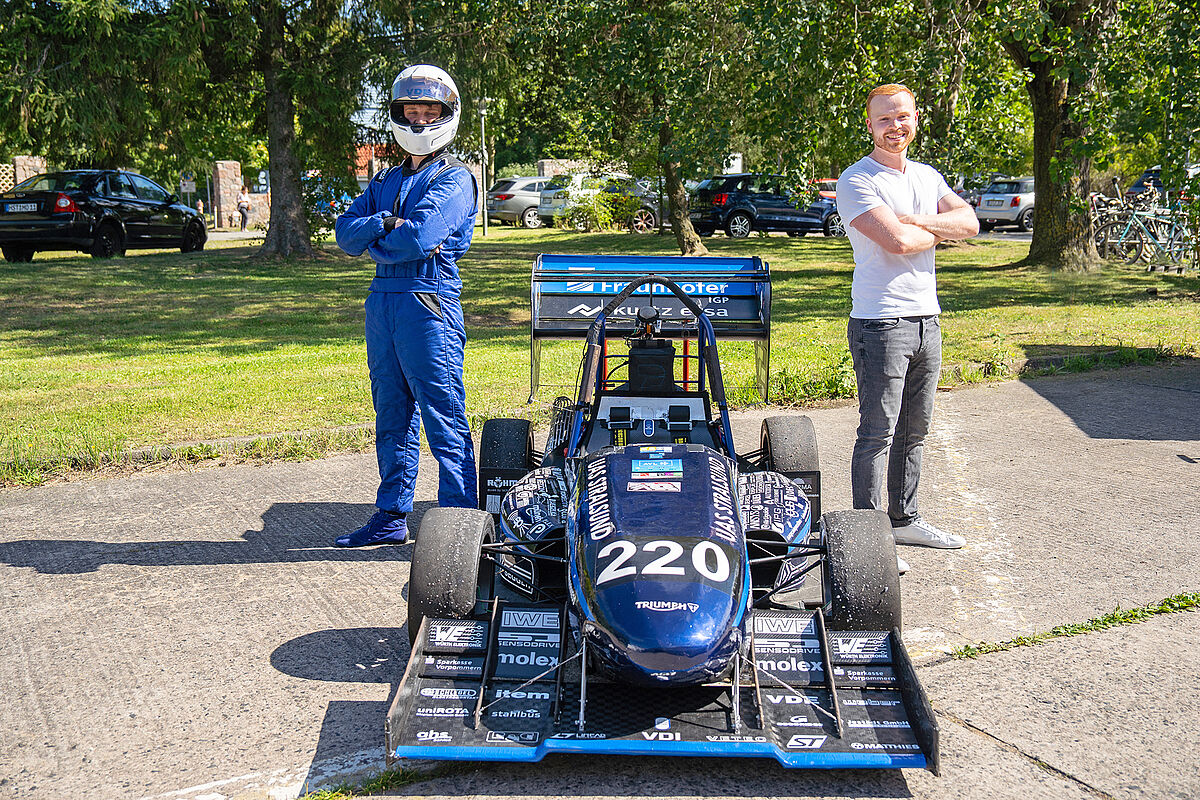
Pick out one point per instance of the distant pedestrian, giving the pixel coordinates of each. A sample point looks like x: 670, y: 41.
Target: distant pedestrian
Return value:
x: 243, y: 205
x: 896, y: 212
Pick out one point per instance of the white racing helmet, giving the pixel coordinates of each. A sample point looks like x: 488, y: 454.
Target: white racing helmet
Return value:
x: 424, y: 83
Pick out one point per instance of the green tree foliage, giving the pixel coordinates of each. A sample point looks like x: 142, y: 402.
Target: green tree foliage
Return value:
x: 101, y: 83
x: 1062, y: 46
x: 302, y: 64
x: 659, y: 85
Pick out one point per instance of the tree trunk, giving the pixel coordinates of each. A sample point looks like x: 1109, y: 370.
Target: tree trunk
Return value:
x: 677, y: 200
x: 1062, y: 165
x: 1062, y: 231
x: 287, y: 233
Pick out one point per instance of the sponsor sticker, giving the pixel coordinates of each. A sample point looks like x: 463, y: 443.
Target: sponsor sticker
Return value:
x: 433, y: 736
x: 517, y: 639
x: 583, y: 735
x: 449, y: 692
x: 442, y: 712
x: 452, y: 666
x: 802, y: 742
x: 666, y: 605
x: 655, y: 476
x: 785, y: 624
x: 517, y: 737
x: 530, y: 618
x: 653, y: 486
x: 457, y: 635
x: 860, y: 647
x: 657, y: 465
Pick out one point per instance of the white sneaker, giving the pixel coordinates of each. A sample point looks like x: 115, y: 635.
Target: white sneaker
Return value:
x: 920, y: 532
x: 901, y: 565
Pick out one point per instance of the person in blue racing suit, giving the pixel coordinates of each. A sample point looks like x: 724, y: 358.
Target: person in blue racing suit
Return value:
x: 415, y: 221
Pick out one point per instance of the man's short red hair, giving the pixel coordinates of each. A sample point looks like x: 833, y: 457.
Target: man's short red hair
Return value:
x: 887, y: 90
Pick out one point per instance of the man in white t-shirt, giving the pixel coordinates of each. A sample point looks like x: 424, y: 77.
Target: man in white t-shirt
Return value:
x: 896, y: 212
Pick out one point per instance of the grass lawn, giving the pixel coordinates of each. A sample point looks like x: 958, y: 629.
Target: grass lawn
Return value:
x: 101, y: 357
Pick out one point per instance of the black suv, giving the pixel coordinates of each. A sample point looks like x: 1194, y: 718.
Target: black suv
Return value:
x: 748, y: 202
x: 102, y: 212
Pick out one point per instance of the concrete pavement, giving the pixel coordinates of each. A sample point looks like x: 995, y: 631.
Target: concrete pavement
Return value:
x: 191, y: 634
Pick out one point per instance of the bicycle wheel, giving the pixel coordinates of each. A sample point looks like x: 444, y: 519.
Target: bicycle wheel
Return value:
x: 1118, y: 241
x: 1182, y: 248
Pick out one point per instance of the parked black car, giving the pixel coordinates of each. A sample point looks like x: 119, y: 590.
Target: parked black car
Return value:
x: 748, y: 202
x: 102, y: 212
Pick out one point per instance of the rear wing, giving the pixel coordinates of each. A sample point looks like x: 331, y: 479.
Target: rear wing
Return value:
x: 568, y: 291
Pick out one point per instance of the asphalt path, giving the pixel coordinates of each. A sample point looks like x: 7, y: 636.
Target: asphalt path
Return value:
x: 191, y: 633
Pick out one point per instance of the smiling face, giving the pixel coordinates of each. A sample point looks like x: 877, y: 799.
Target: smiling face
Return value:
x: 892, y: 121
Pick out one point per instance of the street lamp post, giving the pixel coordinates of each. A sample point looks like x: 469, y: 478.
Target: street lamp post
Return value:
x: 483, y: 104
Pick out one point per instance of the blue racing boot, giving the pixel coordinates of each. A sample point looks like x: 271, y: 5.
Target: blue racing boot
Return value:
x: 385, y: 527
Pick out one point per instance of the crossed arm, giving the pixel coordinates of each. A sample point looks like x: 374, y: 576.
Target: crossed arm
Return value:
x: 915, y: 233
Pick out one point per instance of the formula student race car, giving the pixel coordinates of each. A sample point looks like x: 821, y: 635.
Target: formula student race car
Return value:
x: 658, y: 593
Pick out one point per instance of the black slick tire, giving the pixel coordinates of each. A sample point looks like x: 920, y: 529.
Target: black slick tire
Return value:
x: 448, y: 577
x: 789, y: 444
x: 864, y: 583
x: 506, y: 444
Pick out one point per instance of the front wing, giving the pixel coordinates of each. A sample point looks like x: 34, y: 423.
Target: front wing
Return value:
x: 508, y: 688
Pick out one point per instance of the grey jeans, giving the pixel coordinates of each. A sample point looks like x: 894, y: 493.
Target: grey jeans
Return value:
x: 897, y: 362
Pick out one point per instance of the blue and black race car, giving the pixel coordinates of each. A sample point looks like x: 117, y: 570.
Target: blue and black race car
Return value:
x: 658, y: 593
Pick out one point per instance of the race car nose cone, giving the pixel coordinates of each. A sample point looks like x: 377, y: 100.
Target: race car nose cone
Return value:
x: 680, y: 641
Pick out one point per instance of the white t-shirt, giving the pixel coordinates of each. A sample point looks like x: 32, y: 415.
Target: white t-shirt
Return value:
x: 886, y: 284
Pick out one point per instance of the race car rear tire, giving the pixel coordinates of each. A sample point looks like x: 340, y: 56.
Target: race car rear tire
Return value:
x: 448, y: 576
x: 506, y: 444
x: 789, y: 444
x: 864, y: 583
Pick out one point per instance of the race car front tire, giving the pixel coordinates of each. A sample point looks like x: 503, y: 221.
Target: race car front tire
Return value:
x: 864, y: 583
x: 449, y: 577
x: 789, y: 445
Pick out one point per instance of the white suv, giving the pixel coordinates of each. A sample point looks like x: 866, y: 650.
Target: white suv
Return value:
x: 1007, y: 201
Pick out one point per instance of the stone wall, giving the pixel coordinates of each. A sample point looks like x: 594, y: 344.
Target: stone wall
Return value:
x: 20, y: 168
x: 28, y: 166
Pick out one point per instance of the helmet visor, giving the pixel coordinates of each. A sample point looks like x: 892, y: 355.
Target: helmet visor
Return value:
x: 417, y: 89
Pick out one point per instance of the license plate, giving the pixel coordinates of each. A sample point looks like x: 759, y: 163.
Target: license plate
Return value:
x: 17, y: 208
x: 994, y: 203
x: 695, y: 215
